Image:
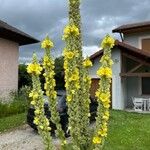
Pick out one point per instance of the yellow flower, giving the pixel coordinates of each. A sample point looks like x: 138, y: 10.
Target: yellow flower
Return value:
x: 66, y: 66
x: 33, y: 102
x: 34, y: 68
x: 47, y: 93
x: 47, y: 122
x: 97, y: 140
x: 54, y: 94
x: 37, y: 111
x: 111, y: 62
x: 36, y: 121
x: 89, y: 115
x: 34, y: 95
x: 108, y: 42
x: 87, y: 63
x: 77, y: 85
x: 45, y: 86
x: 106, y: 105
x: 41, y: 127
x: 75, y: 75
x: 69, y: 98
x: 49, y: 128
x: 106, y: 116
x: 105, y: 71
x: 69, y: 54
x: 47, y: 43
x: 31, y: 94
x: 103, y: 132
x: 64, y: 142
x: 73, y: 92
x: 104, y: 97
x: 97, y: 94
x: 70, y: 30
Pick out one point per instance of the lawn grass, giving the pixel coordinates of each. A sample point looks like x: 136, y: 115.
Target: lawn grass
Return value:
x: 128, y: 131
x: 7, y: 123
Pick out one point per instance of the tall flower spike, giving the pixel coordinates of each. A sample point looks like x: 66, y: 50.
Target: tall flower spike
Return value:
x: 37, y: 101
x: 49, y: 86
x: 103, y: 94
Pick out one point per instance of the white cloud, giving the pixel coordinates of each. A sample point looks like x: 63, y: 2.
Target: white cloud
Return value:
x: 89, y: 50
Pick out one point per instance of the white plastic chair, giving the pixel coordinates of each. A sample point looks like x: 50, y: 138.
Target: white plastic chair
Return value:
x: 138, y: 104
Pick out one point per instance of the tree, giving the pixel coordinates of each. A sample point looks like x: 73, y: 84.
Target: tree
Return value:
x: 59, y: 73
x: 24, y: 78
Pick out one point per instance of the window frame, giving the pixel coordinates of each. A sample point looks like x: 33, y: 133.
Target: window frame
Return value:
x: 141, y: 86
x: 140, y: 40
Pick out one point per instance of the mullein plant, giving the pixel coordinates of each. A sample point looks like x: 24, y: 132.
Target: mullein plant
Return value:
x: 103, y: 93
x: 77, y: 83
x: 78, y: 88
x: 49, y: 86
x: 38, y: 103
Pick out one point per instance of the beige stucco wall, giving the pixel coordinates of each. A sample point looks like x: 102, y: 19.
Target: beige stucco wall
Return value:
x: 9, y: 53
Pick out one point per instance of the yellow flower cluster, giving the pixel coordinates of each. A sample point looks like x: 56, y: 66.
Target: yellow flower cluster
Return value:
x: 106, y: 59
x: 97, y: 140
x: 105, y: 71
x: 87, y: 63
x: 48, y: 62
x: 72, y: 79
x: 34, y: 68
x: 69, y: 54
x: 70, y: 30
x: 74, y: 76
x: 102, y: 132
x: 108, y: 42
x: 47, y: 43
x: 103, y: 97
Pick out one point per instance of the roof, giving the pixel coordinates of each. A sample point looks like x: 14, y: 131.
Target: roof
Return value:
x: 130, y: 28
x: 125, y: 48
x: 14, y: 34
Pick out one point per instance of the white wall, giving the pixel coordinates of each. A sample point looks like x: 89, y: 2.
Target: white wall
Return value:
x: 94, y: 68
x: 118, y: 101
x: 117, y: 89
x: 135, y: 38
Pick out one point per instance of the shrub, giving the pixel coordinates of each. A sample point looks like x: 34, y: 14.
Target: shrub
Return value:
x: 19, y: 104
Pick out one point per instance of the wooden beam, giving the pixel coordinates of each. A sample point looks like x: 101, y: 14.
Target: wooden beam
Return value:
x: 135, y: 68
x: 136, y: 59
x: 135, y: 74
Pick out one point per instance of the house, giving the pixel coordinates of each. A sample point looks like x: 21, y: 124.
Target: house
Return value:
x: 131, y: 69
x: 10, y: 40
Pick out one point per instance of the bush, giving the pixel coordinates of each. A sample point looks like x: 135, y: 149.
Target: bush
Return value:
x: 24, y: 77
x: 19, y: 103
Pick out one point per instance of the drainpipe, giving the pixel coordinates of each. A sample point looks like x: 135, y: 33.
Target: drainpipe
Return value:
x: 121, y: 35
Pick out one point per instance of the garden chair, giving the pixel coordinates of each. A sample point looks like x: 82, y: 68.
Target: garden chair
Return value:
x: 138, y: 104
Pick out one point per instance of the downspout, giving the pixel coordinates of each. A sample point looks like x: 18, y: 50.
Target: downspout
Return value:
x: 121, y: 35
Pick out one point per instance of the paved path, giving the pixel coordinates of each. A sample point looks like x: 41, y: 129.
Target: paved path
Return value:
x: 23, y: 138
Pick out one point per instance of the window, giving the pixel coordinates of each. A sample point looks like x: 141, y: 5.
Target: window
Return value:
x: 146, y: 44
x: 146, y: 85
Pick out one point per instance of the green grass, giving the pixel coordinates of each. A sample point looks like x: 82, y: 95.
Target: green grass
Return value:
x: 11, y: 122
x: 12, y: 108
x: 128, y: 131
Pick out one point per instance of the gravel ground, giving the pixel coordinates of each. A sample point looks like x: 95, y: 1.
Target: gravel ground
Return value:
x: 23, y: 138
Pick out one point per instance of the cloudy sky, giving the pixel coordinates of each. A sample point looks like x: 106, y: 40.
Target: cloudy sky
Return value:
x: 41, y: 17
